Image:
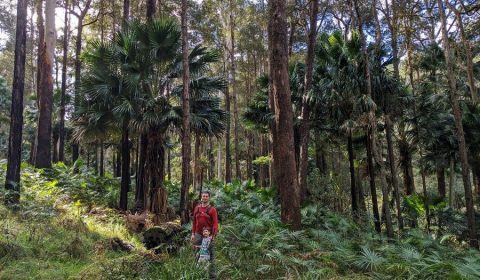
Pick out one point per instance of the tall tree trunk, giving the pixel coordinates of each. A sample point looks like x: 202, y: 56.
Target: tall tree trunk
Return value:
x: 373, y: 189
x: 186, y: 142
x: 228, y: 156
x: 353, y: 190
x: 371, y: 130
x: 234, y: 94
x: 126, y: 11
x: 459, y: 130
x: 12, y: 180
x: 219, y: 161
x: 78, y: 67
x: 196, y: 164
x: 441, y: 184
x: 95, y: 163
x: 102, y: 167
x: 118, y: 167
x: 125, y: 180
x: 425, y: 193
x: 393, y: 170
x: 40, y: 72
x: 61, y: 132
x: 140, y: 178
x: 393, y: 25
x: 151, y: 9
x: 378, y: 153
x: 451, y: 182
x: 468, y: 53
x: 211, y: 160
x: 305, y: 113
x: 55, y: 145
x: 283, y: 146
x: 250, y: 151
x: 43, y: 147
x: 407, y: 169
x: 155, y: 163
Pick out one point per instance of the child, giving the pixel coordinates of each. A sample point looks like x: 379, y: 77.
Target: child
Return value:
x: 204, y: 252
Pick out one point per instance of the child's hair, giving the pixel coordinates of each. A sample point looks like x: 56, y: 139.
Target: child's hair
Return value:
x: 207, y: 228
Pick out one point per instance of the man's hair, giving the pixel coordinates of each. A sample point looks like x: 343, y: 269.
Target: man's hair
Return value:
x: 207, y: 192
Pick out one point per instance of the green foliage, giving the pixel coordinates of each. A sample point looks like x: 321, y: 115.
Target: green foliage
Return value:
x: 69, y: 231
x: 262, y: 160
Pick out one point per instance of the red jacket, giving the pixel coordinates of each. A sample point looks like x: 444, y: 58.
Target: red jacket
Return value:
x: 203, y: 219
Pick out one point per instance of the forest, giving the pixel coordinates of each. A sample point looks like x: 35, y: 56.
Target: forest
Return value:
x: 336, y: 139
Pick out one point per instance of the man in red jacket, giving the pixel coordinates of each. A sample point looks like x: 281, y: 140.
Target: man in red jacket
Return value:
x: 205, y: 216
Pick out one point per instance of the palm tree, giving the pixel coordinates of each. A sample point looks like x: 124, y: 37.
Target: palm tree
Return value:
x: 128, y: 84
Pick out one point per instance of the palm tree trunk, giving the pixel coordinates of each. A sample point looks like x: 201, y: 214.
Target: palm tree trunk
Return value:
x: 118, y: 167
x: 441, y: 184
x: 451, y: 182
x: 141, y: 174
x: 102, y: 167
x: 459, y: 130
x: 305, y: 112
x: 407, y: 169
x: 95, y: 163
x: 373, y: 189
x: 125, y: 180
x: 283, y: 142
x: 12, y: 180
x: 155, y: 162
x: 250, y: 152
x: 476, y: 171
x: 186, y: 142
x: 371, y: 138
x: 353, y: 190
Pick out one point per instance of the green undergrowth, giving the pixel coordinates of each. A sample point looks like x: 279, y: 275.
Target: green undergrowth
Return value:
x: 64, y: 228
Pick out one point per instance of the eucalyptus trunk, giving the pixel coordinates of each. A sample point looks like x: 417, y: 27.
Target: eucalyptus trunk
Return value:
x: 238, y: 173
x: 43, y: 145
x: 305, y: 112
x: 460, y: 135
x: 12, y: 180
x: 283, y: 143
x: 61, y: 132
x: 228, y: 155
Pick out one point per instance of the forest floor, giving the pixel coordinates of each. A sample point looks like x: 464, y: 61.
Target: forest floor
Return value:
x: 65, y: 229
